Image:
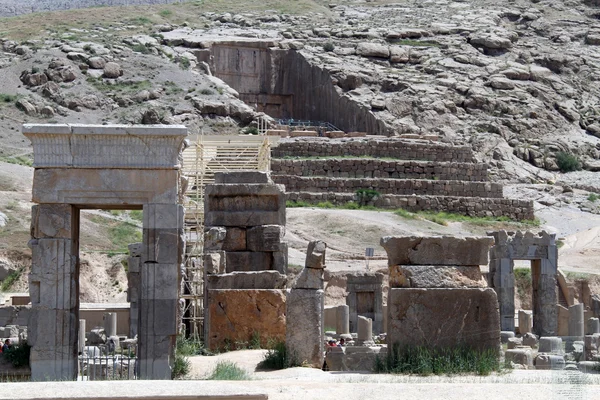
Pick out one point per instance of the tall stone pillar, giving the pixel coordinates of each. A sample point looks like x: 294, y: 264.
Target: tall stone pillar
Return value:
x: 159, y: 299
x: 133, y: 286
x: 576, y: 323
x: 365, y: 331
x: 342, y: 322
x: 503, y: 282
x: 545, y: 298
x: 54, y: 292
x: 81, y: 335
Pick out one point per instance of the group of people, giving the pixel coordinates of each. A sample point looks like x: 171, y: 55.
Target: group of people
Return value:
x: 333, y: 343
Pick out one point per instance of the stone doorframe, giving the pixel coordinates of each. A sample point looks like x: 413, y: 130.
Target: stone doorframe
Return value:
x: 103, y: 167
x: 541, y: 250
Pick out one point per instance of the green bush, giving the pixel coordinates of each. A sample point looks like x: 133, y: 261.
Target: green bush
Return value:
x: 329, y: 46
x: 10, y: 280
x: 252, y: 130
x: 278, y: 358
x: 447, y: 361
x: 567, y: 162
x: 188, y: 346
x: 593, y: 197
x: 181, y: 366
x: 140, y: 48
x: 18, y: 355
x: 365, y: 196
x: 228, y: 371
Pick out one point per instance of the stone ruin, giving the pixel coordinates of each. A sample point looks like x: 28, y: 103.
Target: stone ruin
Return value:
x: 541, y: 250
x: 107, y: 167
x: 245, y: 260
x: 438, y: 297
x: 365, y: 298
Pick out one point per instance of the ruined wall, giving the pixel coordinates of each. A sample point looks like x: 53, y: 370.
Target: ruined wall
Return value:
x: 370, y: 168
x: 417, y: 187
x: 400, y: 149
x: 473, y: 206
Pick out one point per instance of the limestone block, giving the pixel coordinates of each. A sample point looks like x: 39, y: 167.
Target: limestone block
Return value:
x: 364, y: 331
x: 214, y: 263
x: 335, y: 358
x: 133, y: 265
x: 247, y: 280
x: 549, y: 361
x: 592, y: 342
x: 417, y: 276
x: 304, y: 333
x: 280, y: 259
x: 265, y: 238
x: 439, y: 318
x: 135, y: 249
x: 250, y: 176
x: 505, y: 336
x: 163, y: 245
x: 530, y: 339
x: 525, y: 322
x: 362, y: 358
x: 562, y: 320
x: 514, y: 342
x: 235, y: 239
x: 592, y: 326
x: 214, y: 238
x: 520, y: 356
x: 309, y: 278
x: 237, y: 315
x: 51, y: 221
x: 435, y: 250
x: 248, y: 261
x: 315, y: 254
x: 105, y: 187
x: 550, y: 344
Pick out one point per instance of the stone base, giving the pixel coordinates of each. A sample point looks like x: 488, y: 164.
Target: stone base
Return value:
x: 441, y: 318
x: 353, y: 358
x: 234, y: 316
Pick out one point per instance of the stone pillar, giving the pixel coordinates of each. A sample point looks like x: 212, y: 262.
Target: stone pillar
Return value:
x: 576, y: 321
x: 543, y: 274
x: 159, y: 299
x: 54, y: 292
x: 305, y: 341
x: 592, y: 326
x: 365, y: 331
x: 110, y: 324
x: 133, y: 286
x: 503, y: 282
x: 525, y: 322
x: 81, y: 335
x: 342, y: 322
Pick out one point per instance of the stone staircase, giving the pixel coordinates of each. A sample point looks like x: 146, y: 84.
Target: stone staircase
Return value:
x: 414, y: 175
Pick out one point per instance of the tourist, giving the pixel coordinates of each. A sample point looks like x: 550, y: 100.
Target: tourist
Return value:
x: 6, y: 346
x: 342, y: 343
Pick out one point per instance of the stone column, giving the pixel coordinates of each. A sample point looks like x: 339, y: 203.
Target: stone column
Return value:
x: 81, y: 335
x: 543, y: 274
x: 525, y: 322
x: 365, y: 331
x: 54, y: 291
x: 305, y: 340
x: 576, y: 321
x: 133, y: 286
x: 342, y: 325
x: 110, y: 324
x: 159, y: 299
x: 503, y: 282
x: 592, y: 326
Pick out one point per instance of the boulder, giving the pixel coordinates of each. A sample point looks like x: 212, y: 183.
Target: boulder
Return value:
x: 61, y: 74
x: 549, y: 361
x: 368, y: 49
x: 33, y: 79
x: 112, y: 70
x: 490, y: 41
x: 519, y: 356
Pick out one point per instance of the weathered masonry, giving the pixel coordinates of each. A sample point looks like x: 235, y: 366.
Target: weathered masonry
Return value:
x: 103, y: 167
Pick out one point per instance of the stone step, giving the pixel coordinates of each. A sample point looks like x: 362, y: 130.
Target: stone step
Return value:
x: 419, y: 187
x: 374, y: 147
x: 378, y: 168
x: 472, y: 206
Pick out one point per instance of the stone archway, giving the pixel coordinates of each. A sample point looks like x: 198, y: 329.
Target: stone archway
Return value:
x: 103, y: 167
x: 541, y: 250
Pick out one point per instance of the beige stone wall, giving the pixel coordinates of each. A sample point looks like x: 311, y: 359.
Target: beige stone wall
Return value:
x: 373, y: 168
x: 390, y: 186
x: 473, y: 206
x: 236, y: 315
x: 400, y: 149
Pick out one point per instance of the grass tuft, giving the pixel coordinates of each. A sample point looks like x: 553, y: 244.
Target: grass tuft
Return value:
x: 228, y: 371
x: 447, y: 361
x: 10, y: 280
x: 593, y: 197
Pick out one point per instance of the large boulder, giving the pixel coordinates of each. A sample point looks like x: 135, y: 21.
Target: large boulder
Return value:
x: 490, y: 41
x: 112, y: 70
x: 368, y: 49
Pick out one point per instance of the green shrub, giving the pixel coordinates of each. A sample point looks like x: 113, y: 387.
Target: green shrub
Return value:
x: 228, y: 371
x: 165, y: 13
x: 329, y: 46
x: 255, y: 341
x: 567, y: 162
x: 140, y: 48
x: 188, y: 346
x: 252, y: 130
x: 277, y: 358
x: 10, y: 280
x: 207, y: 92
x: 184, y: 63
x: 405, y: 214
x: 593, y: 197
x: 18, y: 355
x: 7, y: 98
x: 424, y: 361
x: 365, y: 196
x: 181, y: 366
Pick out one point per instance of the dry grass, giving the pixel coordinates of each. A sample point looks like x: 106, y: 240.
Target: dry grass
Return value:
x: 38, y: 25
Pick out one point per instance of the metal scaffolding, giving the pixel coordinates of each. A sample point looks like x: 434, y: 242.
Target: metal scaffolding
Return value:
x: 206, y: 156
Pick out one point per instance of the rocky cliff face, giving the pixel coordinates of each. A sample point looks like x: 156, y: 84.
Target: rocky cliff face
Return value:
x: 11, y: 8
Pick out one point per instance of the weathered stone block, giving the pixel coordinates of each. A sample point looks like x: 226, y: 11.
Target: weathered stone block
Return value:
x: 417, y: 276
x: 439, y: 318
x: 237, y: 315
x: 520, y: 356
x: 265, y: 238
x: 248, y: 261
x: 506, y: 336
x: 315, y: 254
x: 309, y: 278
x: 525, y: 322
x: 135, y: 249
x: 304, y: 335
x: 235, y: 240
x: 214, y: 238
x: 530, y: 339
x: 250, y: 176
x: 549, y: 361
x: 214, y: 263
x: 280, y: 259
x: 51, y: 221
x: 247, y: 280
x: 437, y: 250
x: 550, y: 344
